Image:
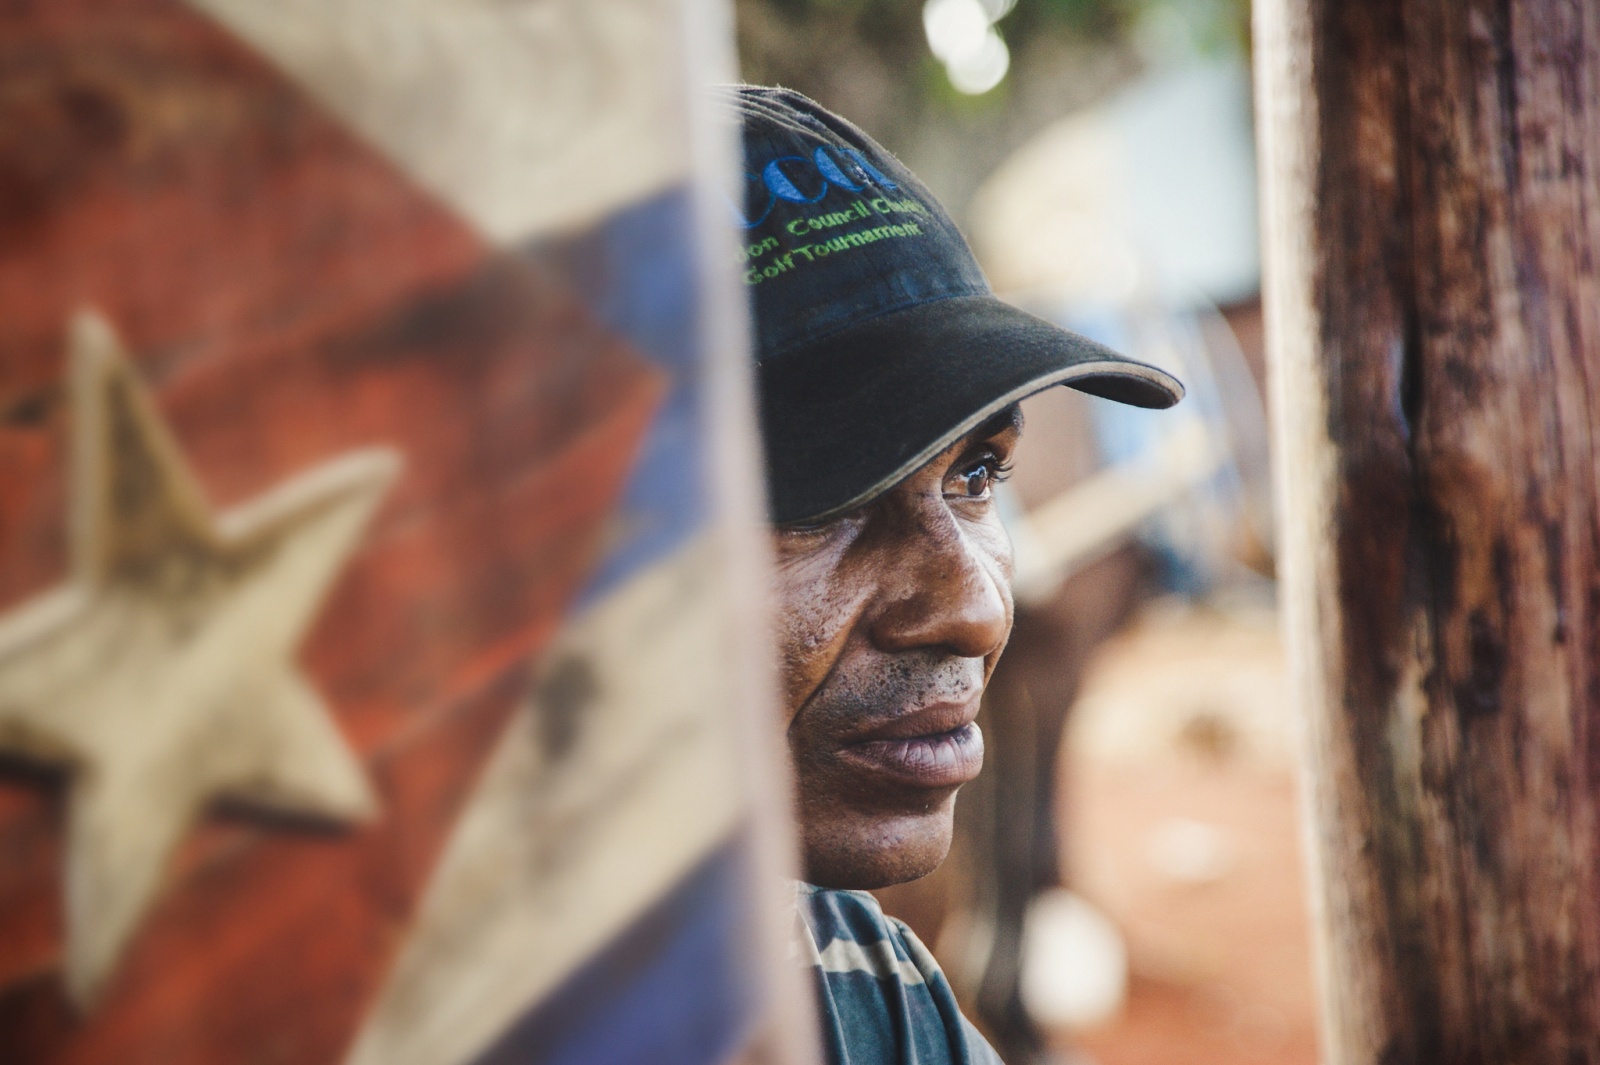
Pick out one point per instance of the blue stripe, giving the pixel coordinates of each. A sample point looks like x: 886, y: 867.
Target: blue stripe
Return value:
x: 637, y: 271
x: 678, y: 987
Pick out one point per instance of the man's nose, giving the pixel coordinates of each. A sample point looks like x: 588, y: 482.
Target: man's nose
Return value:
x: 939, y: 589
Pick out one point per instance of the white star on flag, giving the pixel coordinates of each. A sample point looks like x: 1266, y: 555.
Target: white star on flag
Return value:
x: 161, y: 675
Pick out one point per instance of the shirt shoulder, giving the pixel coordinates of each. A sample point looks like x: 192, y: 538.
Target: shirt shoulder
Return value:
x: 882, y: 996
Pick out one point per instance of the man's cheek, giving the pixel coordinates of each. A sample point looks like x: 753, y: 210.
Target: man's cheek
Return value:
x: 797, y: 617
x: 991, y: 543
x: 797, y: 684
x: 812, y: 635
x: 807, y: 656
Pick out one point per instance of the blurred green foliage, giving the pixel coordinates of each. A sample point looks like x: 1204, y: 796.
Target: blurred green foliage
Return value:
x: 870, y: 61
x: 796, y: 41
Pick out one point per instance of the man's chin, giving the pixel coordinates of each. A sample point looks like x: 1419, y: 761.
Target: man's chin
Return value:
x: 859, y: 851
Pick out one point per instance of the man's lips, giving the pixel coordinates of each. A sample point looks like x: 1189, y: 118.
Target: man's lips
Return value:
x: 934, y: 747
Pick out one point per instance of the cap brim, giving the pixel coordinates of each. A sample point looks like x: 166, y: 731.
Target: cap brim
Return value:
x: 854, y: 413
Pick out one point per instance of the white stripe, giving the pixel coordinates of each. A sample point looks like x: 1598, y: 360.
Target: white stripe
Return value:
x: 524, y: 115
x: 878, y: 959
x: 554, y: 855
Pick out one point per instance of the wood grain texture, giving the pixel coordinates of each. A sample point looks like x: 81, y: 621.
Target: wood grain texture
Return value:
x: 1434, y: 327
x: 288, y: 295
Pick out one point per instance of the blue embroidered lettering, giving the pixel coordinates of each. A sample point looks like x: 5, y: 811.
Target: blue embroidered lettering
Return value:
x: 783, y: 187
x: 739, y: 217
x: 861, y: 161
x: 832, y: 171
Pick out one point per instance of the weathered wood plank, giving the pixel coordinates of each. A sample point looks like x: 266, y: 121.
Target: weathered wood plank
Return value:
x: 1434, y: 324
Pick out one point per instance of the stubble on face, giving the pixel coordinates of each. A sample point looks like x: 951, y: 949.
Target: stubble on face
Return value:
x: 890, y: 799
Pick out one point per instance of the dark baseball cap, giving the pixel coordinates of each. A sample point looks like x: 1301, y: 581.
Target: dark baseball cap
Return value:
x: 878, y: 341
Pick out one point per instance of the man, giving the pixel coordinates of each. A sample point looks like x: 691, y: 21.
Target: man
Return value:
x: 889, y: 378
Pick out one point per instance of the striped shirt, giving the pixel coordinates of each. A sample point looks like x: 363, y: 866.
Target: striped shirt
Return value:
x: 881, y: 996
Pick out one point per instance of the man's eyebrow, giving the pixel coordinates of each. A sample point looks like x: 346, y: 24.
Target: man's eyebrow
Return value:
x: 1010, y: 418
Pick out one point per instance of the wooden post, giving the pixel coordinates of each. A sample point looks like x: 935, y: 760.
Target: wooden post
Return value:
x: 1432, y: 196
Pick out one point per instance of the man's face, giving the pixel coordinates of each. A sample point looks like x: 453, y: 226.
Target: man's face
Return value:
x: 890, y: 620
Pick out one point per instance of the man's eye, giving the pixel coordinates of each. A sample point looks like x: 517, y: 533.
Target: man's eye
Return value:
x: 975, y: 481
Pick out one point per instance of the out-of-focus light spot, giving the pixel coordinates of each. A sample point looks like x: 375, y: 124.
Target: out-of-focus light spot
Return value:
x: 962, y: 34
x: 955, y: 28
x: 1074, y: 962
x: 983, y: 69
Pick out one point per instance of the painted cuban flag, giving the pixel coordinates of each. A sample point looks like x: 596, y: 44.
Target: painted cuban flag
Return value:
x: 379, y: 674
